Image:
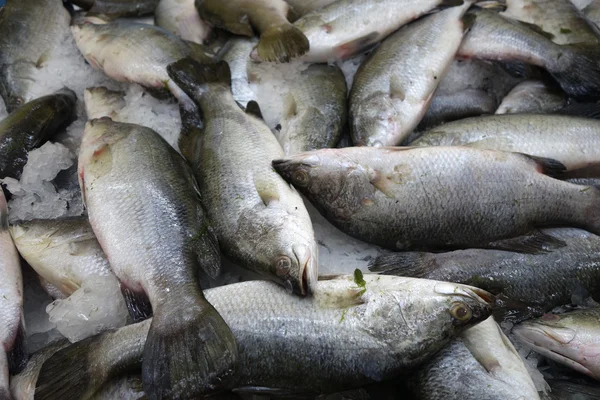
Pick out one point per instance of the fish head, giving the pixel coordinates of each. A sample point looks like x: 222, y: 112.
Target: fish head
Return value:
x: 571, y: 339
x: 376, y: 122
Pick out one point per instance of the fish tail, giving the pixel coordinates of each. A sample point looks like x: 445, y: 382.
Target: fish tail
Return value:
x: 412, y: 264
x: 189, y: 350
x: 577, y: 70
x: 282, y: 43
x: 193, y: 77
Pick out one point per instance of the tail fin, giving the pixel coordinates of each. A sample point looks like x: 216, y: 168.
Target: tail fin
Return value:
x: 282, y: 43
x: 192, y: 77
x: 412, y: 264
x: 190, y: 349
x: 577, y: 70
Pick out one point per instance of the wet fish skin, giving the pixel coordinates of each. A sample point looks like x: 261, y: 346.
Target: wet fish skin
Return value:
x: 592, y: 12
x: 181, y: 18
x: 315, y: 110
x: 559, y: 18
x: 279, y: 40
x: 344, y: 336
x: 130, y: 177
x: 420, y: 197
x: 532, y: 96
x: 392, y: 89
x: 303, y: 7
x: 570, y: 140
x: 12, y: 353
x: 64, y: 252
x: 487, y: 357
x: 572, y: 390
x: 30, y: 126
x: 29, y: 31
x: 571, y: 339
x: 121, y: 8
x: 261, y: 222
x: 575, y: 67
x: 526, y: 285
x: 136, y: 53
x: 345, y: 27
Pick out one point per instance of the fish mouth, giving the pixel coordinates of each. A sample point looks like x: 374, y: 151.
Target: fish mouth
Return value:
x: 307, y: 273
x: 471, y: 292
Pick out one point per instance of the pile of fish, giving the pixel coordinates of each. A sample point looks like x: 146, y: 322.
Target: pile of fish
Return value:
x: 457, y: 141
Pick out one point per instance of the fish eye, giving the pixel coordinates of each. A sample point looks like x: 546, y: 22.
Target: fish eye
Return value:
x: 300, y: 178
x: 282, y: 266
x: 461, y: 312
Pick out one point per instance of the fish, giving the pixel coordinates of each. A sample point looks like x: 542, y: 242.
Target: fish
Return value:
x: 261, y: 222
x: 13, y: 355
x: 563, y: 389
x: 570, y: 140
x: 576, y: 67
x: 137, y: 53
x: 64, y: 252
x: 279, y: 40
x: 102, y: 102
x: 571, y: 339
x: 525, y: 285
x: 439, y: 197
x: 144, y: 207
x: 532, y: 96
x: 303, y: 7
x: 585, y: 181
x: 559, y: 18
x: 181, y: 18
x: 470, y: 88
x: 236, y: 53
x: 30, y: 126
x: 29, y: 32
x: 592, y: 12
x: 481, y: 363
x: 356, y: 329
x: 126, y: 387
x: 314, y: 110
x: 392, y: 89
x: 118, y: 8
x: 346, y: 27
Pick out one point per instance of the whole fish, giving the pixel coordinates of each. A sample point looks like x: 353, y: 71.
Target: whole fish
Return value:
x: 145, y: 210
x: 136, y: 53
x: 29, y: 32
x: 30, y: 126
x: 532, y: 96
x: 438, y: 197
x: 560, y: 18
x: 525, y: 285
x: 303, y: 7
x: 572, y: 339
x: 355, y: 330
x: 260, y: 220
x: 573, y: 141
x: 102, y: 102
x: 236, y: 53
x: 279, y: 39
x: 492, y: 37
x: 394, y: 86
x: 121, y: 8
x: 314, y: 110
x: 181, y: 18
x: 12, y: 352
x: 346, y: 27
x: 64, y: 252
x: 487, y: 357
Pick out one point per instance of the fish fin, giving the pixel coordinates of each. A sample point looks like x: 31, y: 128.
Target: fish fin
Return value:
x: 535, y: 28
x: 42, y: 59
x: 138, y: 304
x: 413, y: 264
x: 547, y: 166
x: 200, y: 53
x: 534, y: 242
x: 485, y: 358
x: 253, y: 108
x: 577, y: 70
x: 468, y: 20
x: 586, y: 110
x: 348, y: 49
x: 282, y: 43
x: 382, y: 183
x: 191, y: 130
x: 451, y: 3
x: 397, y: 89
x: 206, y: 246
x: 237, y: 21
x: 517, y: 69
x: 191, y: 76
x: 266, y: 190
x: 189, y: 350
x: 17, y: 355
x: 290, y: 108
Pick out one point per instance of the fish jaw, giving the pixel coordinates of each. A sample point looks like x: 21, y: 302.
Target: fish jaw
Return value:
x: 560, y: 344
